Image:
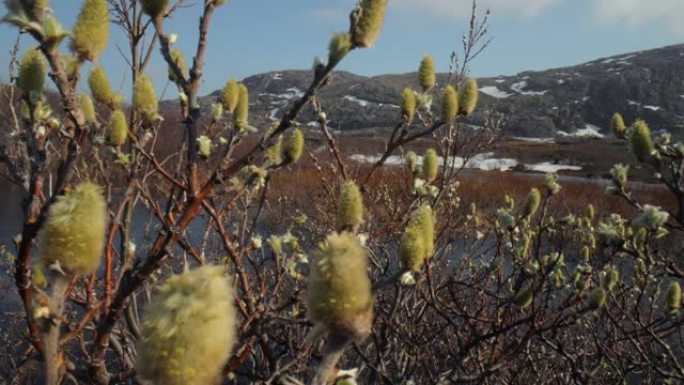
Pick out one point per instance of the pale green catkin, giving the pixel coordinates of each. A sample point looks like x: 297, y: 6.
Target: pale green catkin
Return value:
x: 117, y: 129
x: 617, y: 125
x: 430, y: 165
x: 417, y: 242
x: 532, y: 203
x: 32, y: 72
x: 426, y: 73
x: 74, y: 231
x: 144, y: 97
x: 408, y: 103
x: 641, y: 144
x: 178, y: 58
x: 449, y: 104
x: 91, y: 31
x: 241, y: 113
x: 230, y: 94
x: 469, y: 93
x: 339, y: 290
x: 100, y: 89
x: 87, y: 108
x: 294, y: 146
x: 340, y: 44
x: 350, y: 209
x: 189, y: 329
x: 369, y: 18
x: 673, y: 296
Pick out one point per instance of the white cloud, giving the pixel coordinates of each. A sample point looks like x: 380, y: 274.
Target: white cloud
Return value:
x: 461, y: 8
x: 638, y: 13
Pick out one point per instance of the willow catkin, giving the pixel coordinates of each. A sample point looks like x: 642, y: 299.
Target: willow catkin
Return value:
x: 32, y: 72
x: 91, y: 30
x: 640, y: 143
x: 74, y: 230
x: 407, y: 103
x: 449, y: 104
x: 370, y: 15
x: 426, y: 73
x: 350, y: 208
x: 230, y: 93
x: 468, y: 96
x: 188, y: 329
x: 339, y: 290
x: 294, y: 146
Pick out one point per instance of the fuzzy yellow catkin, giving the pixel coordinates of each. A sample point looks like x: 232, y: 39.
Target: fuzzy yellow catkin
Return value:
x: 449, y: 104
x: 408, y: 103
x: 673, y: 296
x: 87, y: 108
x: 369, y: 18
x: 339, y: 290
x: 411, y: 160
x: 350, y: 209
x: 430, y: 165
x: 179, y: 60
x: 188, y: 330
x: 525, y: 297
x: 532, y: 202
x: 241, y: 113
x: 426, y: 73
x: 294, y: 146
x: 230, y: 93
x: 640, y: 143
x: 468, y: 97
x: 154, y: 8
x: 597, y: 298
x: 339, y: 46
x: 617, y: 125
x: 74, y: 231
x: 100, y: 89
x: 144, y: 97
x: 91, y: 31
x: 117, y: 129
x: 612, y: 278
x: 417, y: 242
x: 273, y: 154
x: 32, y: 72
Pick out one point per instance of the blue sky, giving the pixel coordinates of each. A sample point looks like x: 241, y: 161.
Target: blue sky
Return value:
x: 252, y: 36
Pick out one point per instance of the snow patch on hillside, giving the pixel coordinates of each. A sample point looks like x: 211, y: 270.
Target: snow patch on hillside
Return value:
x: 494, y: 92
x: 589, y: 131
x: 520, y: 86
x: 484, y: 162
x: 653, y: 108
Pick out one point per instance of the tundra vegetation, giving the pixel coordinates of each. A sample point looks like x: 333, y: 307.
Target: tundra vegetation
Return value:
x: 385, y: 276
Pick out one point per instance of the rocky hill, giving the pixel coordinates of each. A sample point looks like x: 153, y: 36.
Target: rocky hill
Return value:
x: 647, y: 84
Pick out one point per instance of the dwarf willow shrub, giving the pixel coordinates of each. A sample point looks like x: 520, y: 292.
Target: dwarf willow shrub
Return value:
x: 73, y: 235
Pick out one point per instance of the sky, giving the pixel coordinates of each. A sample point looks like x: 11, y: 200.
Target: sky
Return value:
x: 253, y: 36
